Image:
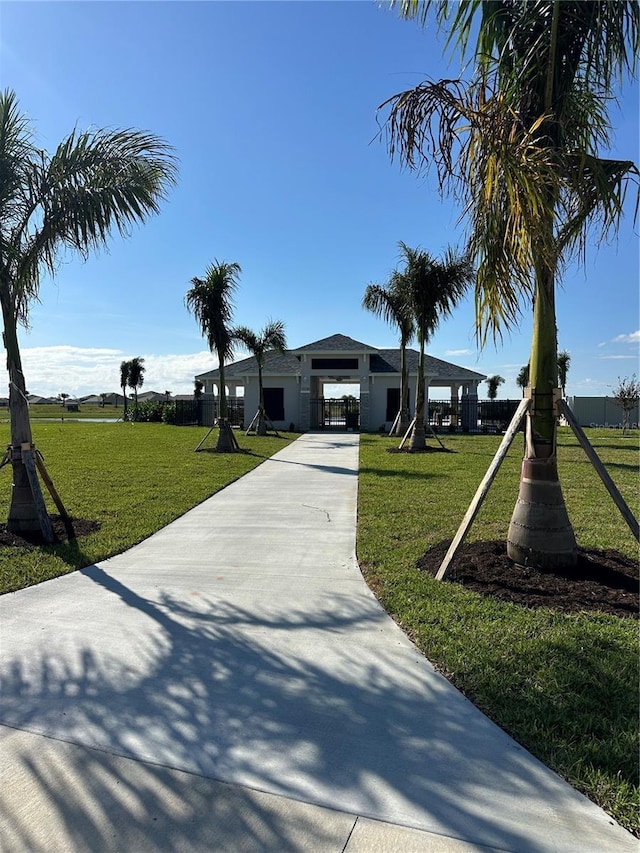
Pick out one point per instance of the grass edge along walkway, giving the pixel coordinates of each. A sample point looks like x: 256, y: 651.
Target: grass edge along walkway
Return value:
x: 563, y: 686
x: 133, y: 479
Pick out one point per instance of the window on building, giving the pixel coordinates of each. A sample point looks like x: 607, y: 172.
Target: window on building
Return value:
x: 334, y: 363
x: 393, y: 403
x: 274, y: 403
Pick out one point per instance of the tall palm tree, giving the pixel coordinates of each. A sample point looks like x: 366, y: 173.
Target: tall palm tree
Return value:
x: 125, y: 367
x: 392, y: 302
x: 272, y: 337
x: 564, y: 360
x: 210, y: 300
x: 519, y: 145
x: 135, y: 379
x: 434, y: 288
x: 93, y: 183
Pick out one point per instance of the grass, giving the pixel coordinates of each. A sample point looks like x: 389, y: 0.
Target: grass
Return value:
x: 564, y: 686
x: 58, y: 412
x: 132, y: 478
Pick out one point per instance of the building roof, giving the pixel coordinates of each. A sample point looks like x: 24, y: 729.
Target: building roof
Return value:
x: 381, y: 361
x: 335, y: 343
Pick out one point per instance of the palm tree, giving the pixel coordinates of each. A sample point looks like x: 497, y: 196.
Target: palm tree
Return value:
x: 135, y: 379
x: 125, y: 367
x: 522, y: 379
x: 392, y: 302
x: 210, y: 300
x: 93, y: 183
x: 564, y: 360
x: 272, y: 337
x: 434, y: 287
x: 519, y: 145
x: 493, y: 383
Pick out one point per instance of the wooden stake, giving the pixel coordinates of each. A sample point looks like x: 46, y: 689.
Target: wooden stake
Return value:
x: 600, y: 469
x: 66, y: 518
x: 407, y: 434
x: 483, y: 488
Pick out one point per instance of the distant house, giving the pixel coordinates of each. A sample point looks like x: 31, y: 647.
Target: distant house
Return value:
x: 35, y: 400
x: 154, y: 396
x: 294, y: 384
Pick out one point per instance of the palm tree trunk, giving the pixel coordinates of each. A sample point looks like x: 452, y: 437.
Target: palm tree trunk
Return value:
x: 226, y: 442
x: 23, y: 515
x: 540, y: 533
x: 402, y: 424
x: 261, y: 428
x: 418, y: 439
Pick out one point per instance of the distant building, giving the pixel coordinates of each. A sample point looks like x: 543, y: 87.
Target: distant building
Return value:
x: 294, y: 385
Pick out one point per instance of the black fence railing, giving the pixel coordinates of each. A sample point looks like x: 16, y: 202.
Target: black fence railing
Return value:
x: 483, y: 416
x: 342, y: 414
x: 204, y: 411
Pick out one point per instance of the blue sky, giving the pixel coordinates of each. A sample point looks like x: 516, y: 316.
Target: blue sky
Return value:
x: 271, y: 108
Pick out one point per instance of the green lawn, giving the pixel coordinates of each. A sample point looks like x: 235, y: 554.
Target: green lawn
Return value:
x: 132, y: 478
x: 565, y: 686
x: 60, y: 413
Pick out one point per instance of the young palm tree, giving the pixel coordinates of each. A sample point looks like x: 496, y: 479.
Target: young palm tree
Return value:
x: 135, y: 379
x: 564, y: 360
x: 272, y: 337
x: 520, y: 146
x: 434, y: 288
x: 493, y: 383
x: 392, y: 302
x: 210, y: 300
x: 125, y: 367
x: 93, y: 183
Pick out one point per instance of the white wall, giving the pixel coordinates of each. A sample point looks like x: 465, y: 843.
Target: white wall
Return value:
x: 291, y: 399
x: 599, y: 411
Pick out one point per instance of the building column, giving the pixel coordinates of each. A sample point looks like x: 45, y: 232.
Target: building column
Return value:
x: 455, y: 408
x: 470, y: 408
x: 365, y: 408
x: 305, y: 404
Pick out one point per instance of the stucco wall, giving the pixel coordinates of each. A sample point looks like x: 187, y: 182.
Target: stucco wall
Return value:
x: 378, y: 400
x: 291, y: 399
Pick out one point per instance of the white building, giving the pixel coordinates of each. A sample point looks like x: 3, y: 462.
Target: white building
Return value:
x: 294, y: 385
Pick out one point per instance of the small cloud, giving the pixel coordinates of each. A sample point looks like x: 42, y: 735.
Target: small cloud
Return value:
x: 458, y: 352
x: 633, y: 338
x: 616, y: 357
x: 602, y: 344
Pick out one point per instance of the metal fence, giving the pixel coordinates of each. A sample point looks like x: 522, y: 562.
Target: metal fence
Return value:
x: 490, y: 415
x: 335, y: 414
x: 204, y: 411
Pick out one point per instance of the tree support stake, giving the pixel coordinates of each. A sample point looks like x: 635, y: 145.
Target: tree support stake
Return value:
x: 484, y: 486
x: 600, y: 469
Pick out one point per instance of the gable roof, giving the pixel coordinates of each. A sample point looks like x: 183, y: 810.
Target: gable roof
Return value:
x: 336, y: 343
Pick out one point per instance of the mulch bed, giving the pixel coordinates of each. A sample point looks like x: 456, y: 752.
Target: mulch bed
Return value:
x: 81, y: 527
x: 604, y: 581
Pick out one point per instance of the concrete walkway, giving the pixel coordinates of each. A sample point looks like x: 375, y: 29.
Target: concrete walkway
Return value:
x: 231, y: 684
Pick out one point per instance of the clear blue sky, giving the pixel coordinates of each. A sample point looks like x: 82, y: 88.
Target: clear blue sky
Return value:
x: 271, y: 108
